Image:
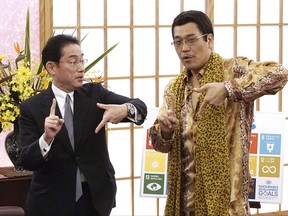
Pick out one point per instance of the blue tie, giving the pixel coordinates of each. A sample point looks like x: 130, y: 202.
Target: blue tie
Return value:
x: 68, y: 119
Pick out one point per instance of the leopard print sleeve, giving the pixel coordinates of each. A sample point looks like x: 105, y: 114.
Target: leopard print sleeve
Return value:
x: 249, y: 80
x: 157, y: 141
x: 160, y: 144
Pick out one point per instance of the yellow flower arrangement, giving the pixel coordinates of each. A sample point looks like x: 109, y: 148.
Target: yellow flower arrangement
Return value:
x: 16, y: 85
x: 19, y: 81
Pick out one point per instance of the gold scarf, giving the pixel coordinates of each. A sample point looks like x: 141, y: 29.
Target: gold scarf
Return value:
x: 212, y: 186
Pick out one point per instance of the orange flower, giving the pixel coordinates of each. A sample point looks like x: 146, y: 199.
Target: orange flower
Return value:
x: 17, y: 48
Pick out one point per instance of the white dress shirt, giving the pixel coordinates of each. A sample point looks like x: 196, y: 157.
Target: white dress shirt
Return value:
x: 60, y: 98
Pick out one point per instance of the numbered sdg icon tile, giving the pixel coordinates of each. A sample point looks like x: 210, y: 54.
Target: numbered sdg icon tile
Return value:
x: 154, y: 183
x: 269, y: 166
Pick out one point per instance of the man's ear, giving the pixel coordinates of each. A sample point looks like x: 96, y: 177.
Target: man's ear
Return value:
x: 50, y: 67
x: 210, y: 40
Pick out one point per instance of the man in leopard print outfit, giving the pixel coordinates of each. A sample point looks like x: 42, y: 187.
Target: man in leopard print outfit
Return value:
x: 205, y: 122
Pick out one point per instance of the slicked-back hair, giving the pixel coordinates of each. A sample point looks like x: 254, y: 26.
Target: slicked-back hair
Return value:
x: 202, y: 21
x: 54, y: 46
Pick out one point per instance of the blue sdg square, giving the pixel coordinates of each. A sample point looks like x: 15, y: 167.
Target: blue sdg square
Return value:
x: 270, y: 144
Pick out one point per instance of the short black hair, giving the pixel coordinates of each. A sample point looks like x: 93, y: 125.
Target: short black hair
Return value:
x: 53, y: 48
x: 202, y: 21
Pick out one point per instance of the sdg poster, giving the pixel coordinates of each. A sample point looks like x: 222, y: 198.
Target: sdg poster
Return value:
x: 265, y: 160
x: 154, y: 164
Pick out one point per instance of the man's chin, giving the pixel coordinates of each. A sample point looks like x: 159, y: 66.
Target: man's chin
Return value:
x: 190, y: 67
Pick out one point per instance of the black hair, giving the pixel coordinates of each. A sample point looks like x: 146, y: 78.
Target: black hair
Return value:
x: 53, y: 48
x: 202, y: 21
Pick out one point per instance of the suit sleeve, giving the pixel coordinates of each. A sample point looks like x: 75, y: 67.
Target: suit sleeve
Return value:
x: 30, y: 152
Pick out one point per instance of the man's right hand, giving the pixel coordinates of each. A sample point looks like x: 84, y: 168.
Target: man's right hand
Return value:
x: 168, y: 120
x: 52, y: 124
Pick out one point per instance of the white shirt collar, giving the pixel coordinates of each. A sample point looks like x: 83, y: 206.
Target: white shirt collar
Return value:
x: 60, y: 96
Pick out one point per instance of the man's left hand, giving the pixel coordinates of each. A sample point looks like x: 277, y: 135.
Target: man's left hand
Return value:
x: 113, y: 114
x: 216, y: 94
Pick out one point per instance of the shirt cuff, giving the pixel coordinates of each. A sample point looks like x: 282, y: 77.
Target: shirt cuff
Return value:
x: 44, y: 147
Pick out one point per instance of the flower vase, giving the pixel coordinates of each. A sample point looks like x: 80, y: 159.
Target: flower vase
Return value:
x: 12, y: 146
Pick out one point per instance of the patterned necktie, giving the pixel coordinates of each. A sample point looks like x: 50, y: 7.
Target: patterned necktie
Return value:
x: 68, y: 119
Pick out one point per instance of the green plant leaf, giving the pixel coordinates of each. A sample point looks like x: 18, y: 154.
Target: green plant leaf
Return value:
x: 100, y: 57
x: 3, y: 72
x: 40, y: 68
x: 19, y: 59
x: 27, y: 51
x: 84, y: 37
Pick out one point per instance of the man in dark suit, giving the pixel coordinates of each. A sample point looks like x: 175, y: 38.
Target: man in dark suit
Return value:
x: 72, y: 174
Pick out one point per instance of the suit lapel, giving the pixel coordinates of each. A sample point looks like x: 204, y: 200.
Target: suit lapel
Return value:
x: 81, y: 110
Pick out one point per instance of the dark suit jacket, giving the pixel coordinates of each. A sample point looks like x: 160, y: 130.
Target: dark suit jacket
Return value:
x: 52, y: 190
